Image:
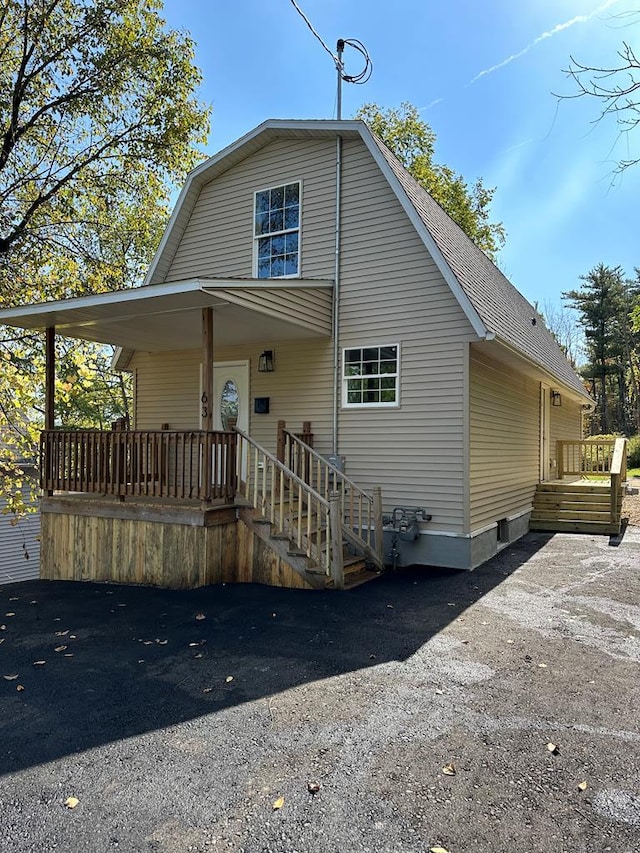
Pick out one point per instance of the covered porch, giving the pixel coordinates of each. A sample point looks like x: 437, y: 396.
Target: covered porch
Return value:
x: 186, y: 507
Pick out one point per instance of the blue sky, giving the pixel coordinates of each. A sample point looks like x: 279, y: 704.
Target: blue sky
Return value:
x: 483, y: 74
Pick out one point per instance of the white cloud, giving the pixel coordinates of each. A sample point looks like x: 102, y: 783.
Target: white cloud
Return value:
x: 558, y: 28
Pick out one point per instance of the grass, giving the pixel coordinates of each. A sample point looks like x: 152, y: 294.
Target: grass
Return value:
x: 633, y: 472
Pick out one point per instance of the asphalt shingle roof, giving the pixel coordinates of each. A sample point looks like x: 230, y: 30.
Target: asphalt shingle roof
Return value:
x: 500, y: 306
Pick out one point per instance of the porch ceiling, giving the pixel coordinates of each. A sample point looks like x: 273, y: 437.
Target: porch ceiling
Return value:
x: 168, y: 316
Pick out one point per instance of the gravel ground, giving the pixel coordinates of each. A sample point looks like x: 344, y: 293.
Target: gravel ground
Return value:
x: 177, y: 733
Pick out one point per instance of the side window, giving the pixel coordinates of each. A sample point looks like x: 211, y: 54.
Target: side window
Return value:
x: 277, y: 231
x: 370, y: 376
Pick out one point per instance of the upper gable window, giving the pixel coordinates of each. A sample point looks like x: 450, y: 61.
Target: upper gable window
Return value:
x: 277, y: 231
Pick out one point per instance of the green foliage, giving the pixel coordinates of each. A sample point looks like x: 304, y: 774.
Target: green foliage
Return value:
x: 633, y: 452
x: 413, y: 142
x: 98, y: 120
x: 607, y: 304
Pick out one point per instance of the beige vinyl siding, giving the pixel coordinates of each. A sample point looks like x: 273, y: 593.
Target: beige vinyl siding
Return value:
x: 504, y: 424
x: 308, y: 307
x: 19, y: 545
x: 300, y: 389
x: 565, y: 423
x: 393, y: 293
x: 218, y: 240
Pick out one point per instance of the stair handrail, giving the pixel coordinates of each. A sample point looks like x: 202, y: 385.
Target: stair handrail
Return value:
x: 352, y: 516
x: 618, y: 475
x: 320, y: 512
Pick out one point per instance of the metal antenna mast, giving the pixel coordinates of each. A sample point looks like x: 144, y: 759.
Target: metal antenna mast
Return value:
x: 340, y: 70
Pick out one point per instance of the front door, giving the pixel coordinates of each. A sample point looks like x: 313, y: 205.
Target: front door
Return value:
x: 231, y: 395
x: 231, y: 399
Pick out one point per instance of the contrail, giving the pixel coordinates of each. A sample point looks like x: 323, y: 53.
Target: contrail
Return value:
x: 579, y: 19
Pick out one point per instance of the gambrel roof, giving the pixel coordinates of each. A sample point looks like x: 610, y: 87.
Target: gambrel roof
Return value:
x: 493, y: 306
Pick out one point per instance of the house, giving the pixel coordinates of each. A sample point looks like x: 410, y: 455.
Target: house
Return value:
x: 308, y: 291
x: 20, y: 535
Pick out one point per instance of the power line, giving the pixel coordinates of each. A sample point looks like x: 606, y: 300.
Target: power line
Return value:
x: 310, y: 25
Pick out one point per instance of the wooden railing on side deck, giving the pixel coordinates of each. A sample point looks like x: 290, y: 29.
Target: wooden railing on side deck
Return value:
x: 292, y: 507
x: 618, y: 476
x: 154, y: 463
x: 360, y: 513
x: 591, y: 456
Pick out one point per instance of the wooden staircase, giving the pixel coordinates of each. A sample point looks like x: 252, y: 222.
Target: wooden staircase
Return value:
x: 356, y: 569
x: 584, y: 507
x: 320, y: 523
x: 590, y: 502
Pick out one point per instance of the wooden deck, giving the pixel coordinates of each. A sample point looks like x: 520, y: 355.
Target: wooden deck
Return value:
x: 585, y: 505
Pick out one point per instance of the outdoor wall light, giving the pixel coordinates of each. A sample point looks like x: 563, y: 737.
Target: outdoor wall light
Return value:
x: 556, y: 398
x: 265, y: 362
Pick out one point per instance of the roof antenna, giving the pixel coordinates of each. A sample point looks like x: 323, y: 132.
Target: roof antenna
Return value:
x: 360, y: 78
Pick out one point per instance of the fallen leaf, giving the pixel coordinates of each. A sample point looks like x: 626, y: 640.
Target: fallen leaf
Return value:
x: 39, y: 662
x: 71, y: 802
x: 438, y: 850
x: 3, y: 627
x: 20, y: 688
x: 207, y: 689
x: 61, y: 633
x: 69, y: 655
x: 278, y: 803
x: 60, y: 648
x: 229, y: 678
x: 542, y: 665
x: 449, y: 769
x: 198, y: 655
x: 439, y: 692
x: 200, y: 616
x: 9, y: 677
x: 313, y: 787
x: 147, y: 642
x: 582, y: 786
x: 510, y: 642
x: 72, y: 637
x: 553, y: 749
x: 390, y: 606
x: 9, y: 614
x: 14, y: 598
x: 451, y: 604
x: 162, y: 642
x: 193, y: 644
x: 33, y: 602
x: 57, y: 619
x: 122, y: 605
x: 372, y: 657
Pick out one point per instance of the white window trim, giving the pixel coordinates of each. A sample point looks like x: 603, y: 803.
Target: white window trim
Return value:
x: 345, y: 403
x: 256, y: 237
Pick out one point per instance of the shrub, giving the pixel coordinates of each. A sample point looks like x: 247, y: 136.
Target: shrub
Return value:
x: 633, y: 452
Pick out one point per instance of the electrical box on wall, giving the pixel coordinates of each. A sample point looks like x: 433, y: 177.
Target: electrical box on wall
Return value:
x: 261, y: 405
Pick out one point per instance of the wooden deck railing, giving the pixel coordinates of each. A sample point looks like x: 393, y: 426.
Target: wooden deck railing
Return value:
x: 160, y: 463
x: 360, y: 513
x: 602, y: 458
x: 592, y: 456
x: 618, y: 476
x: 292, y: 507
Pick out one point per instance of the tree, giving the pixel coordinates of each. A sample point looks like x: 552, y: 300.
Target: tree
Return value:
x: 616, y: 88
x: 98, y: 120
x: 606, y: 304
x: 413, y: 142
x: 563, y: 324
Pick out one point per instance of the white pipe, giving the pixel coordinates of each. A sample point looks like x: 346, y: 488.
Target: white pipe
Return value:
x: 336, y: 298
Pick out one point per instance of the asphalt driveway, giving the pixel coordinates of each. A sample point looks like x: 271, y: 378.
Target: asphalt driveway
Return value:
x: 180, y: 733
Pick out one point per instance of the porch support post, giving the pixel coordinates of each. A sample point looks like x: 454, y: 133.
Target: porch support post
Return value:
x: 207, y: 369
x: 49, y: 403
x: 50, y: 377
x: 207, y: 398
x: 377, y: 523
